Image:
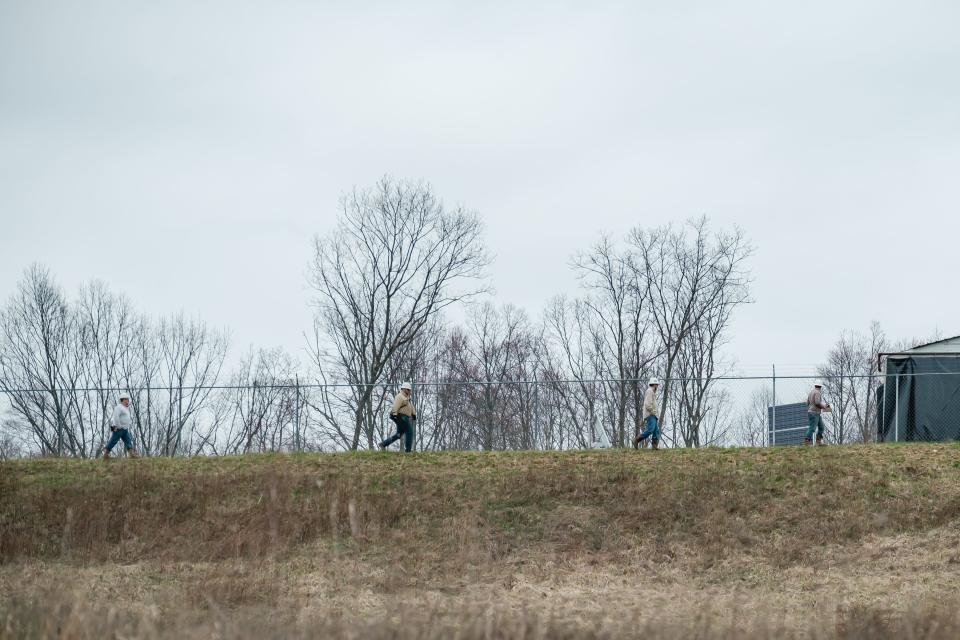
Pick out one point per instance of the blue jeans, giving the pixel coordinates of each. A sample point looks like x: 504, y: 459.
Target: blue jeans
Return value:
x: 117, y: 436
x: 814, y: 421
x: 653, y: 429
x: 404, y: 429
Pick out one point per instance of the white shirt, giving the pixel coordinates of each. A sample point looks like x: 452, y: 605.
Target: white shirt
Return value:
x: 121, y: 417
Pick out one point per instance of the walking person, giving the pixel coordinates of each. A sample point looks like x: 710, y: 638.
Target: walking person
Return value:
x: 404, y: 415
x: 120, y: 424
x: 651, y: 420
x: 815, y: 408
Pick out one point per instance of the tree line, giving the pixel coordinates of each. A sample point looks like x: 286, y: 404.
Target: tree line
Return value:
x: 656, y: 302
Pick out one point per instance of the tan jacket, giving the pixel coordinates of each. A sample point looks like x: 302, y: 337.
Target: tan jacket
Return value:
x: 403, y: 406
x: 815, y: 402
x: 650, y: 404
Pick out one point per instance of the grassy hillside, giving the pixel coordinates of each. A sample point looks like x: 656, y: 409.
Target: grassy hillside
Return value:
x: 349, y: 538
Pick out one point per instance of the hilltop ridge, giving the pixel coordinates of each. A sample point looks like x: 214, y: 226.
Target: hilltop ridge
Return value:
x: 684, y: 531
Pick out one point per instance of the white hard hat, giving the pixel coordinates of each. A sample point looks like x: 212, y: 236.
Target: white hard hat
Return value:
x: 405, y: 385
x: 818, y: 383
x: 653, y: 381
x: 124, y: 396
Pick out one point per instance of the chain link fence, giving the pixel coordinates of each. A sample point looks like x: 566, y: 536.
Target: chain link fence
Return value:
x: 528, y: 414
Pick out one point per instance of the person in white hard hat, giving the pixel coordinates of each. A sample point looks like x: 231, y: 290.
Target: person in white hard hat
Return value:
x: 815, y: 407
x: 651, y: 418
x: 404, y: 415
x: 120, y: 423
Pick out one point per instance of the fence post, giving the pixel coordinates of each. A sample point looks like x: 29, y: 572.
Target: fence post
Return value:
x: 166, y: 437
x: 296, y: 417
x: 535, y: 427
x: 773, y: 421
x: 487, y: 401
x: 60, y: 424
x: 414, y: 424
x: 896, y: 411
x: 149, y: 425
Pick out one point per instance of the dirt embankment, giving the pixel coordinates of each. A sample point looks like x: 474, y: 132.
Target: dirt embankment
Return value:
x: 827, y: 542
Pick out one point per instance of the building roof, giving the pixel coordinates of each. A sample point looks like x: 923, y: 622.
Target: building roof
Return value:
x: 946, y: 346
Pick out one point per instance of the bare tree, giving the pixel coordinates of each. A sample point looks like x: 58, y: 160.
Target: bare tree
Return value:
x: 528, y: 353
x: 864, y: 395
x: 259, y: 411
x: 698, y: 402
x: 190, y: 357
x: 105, y: 324
x: 454, y: 425
x: 501, y: 355
x: 844, y: 371
x: 38, y: 336
x: 577, y: 358
x: 10, y: 447
x: 396, y: 258
x: 62, y: 364
x: 491, y: 335
x: 620, y: 318
x: 717, y: 422
x: 688, y: 274
x: 752, y: 425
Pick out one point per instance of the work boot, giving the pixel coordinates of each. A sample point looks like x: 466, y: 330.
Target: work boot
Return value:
x: 806, y: 442
x: 636, y: 442
x: 106, y: 454
x: 654, y: 444
x: 820, y: 441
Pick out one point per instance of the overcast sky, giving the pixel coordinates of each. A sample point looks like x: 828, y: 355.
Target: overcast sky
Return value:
x: 187, y: 152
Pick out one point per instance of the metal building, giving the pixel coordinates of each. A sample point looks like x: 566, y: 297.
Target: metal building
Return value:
x: 919, y: 399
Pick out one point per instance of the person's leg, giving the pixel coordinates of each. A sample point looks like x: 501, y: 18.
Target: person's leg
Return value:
x: 820, y: 428
x: 650, y: 428
x: 641, y: 434
x: 400, y: 424
x: 408, y: 436
x: 112, y: 442
x: 811, y: 425
x: 389, y: 441
x: 127, y: 442
x: 655, y: 436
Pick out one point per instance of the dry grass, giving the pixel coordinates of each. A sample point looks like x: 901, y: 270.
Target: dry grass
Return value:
x: 836, y: 543
x: 71, y: 621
